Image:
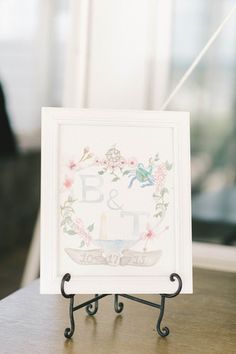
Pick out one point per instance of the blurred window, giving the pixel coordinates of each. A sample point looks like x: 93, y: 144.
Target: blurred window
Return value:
x: 209, y: 95
x: 32, y: 40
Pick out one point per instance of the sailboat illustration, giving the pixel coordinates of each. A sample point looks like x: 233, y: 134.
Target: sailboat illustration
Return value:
x: 113, y: 252
x: 111, y: 246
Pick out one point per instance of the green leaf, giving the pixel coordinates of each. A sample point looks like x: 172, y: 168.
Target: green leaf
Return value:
x: 126, y: 172
x: 66, y: 219
x: 163, y: 191
x: 156, y: 197
x: 71, y: 232
x: 159, y: 205
x: 168, y: 165
x: 71, y: 200
x: 100, y: 172
x: 66, y: 213
x: 115, y: 179
x: 90, y: 227
x: 82, y: 243
x: 156, y: 157
x: 63, y: 222
x: 69, y: 210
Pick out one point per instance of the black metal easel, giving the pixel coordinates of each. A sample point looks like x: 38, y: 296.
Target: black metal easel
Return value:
x: 118, y: 306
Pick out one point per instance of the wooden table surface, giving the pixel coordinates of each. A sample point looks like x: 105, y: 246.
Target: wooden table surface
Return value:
x: 202, y: 323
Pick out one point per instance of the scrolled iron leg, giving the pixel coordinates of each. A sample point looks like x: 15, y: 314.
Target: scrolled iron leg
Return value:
x: 163, y: 332
x: 118, y: 306
x: 91, y: 309
x: 69, y: 331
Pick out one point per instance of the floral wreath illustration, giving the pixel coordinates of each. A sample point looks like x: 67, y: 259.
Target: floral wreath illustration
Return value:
x: 153, y: 174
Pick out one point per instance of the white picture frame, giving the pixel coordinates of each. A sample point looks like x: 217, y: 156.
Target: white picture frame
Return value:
x: 115, y: 201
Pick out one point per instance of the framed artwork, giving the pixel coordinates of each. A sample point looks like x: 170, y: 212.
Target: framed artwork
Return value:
x: 115, y: 201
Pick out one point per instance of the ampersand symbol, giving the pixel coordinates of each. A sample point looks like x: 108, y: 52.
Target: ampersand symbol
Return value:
x: 111, y: 203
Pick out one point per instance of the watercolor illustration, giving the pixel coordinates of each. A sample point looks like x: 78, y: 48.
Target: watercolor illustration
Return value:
x: 146, y: 175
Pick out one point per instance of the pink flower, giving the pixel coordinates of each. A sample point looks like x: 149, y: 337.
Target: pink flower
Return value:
x: 149, y: 234
x: 122, y: 162
x: 79, y: 223
x: 72, y: 165
x: 83, y: 234
x: 97, y: 161
x: 104, y: 162
x: 87, y: 238
x: 112, y: 165
x: 160, y: 175
x: 132, y: 162
x: 68, y: 182
x: 78, y: 226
